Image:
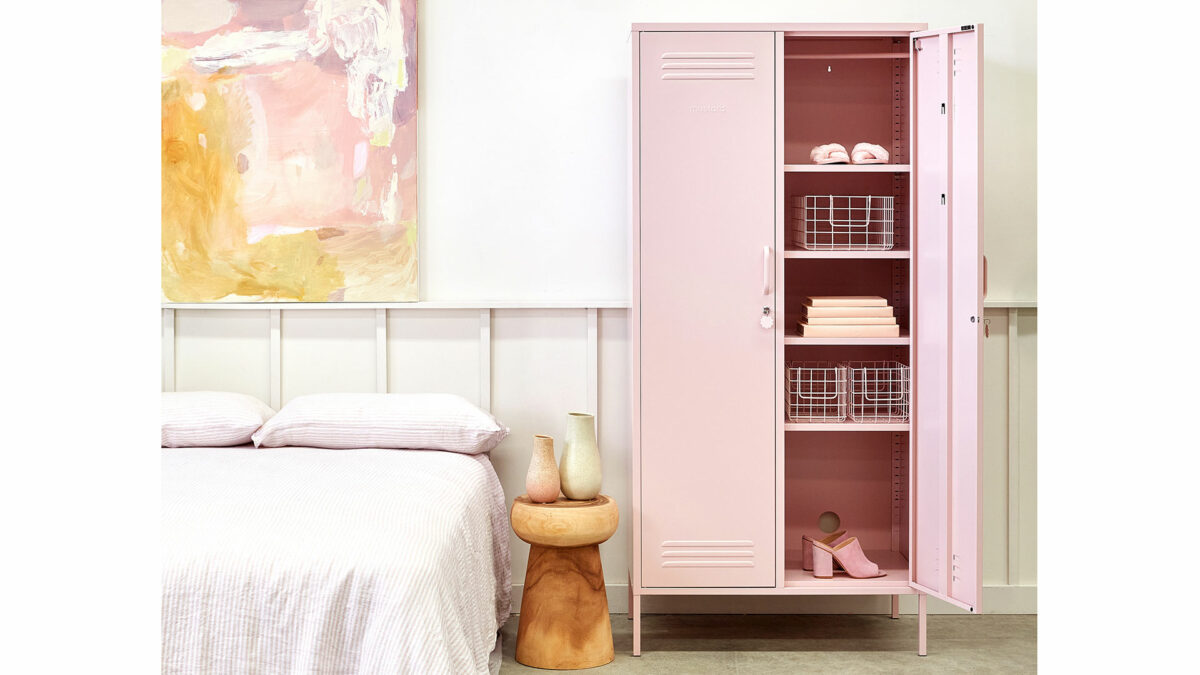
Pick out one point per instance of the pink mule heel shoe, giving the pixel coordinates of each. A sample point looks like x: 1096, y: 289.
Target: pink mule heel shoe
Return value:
x: 849, y: 555
x: 806, y: 548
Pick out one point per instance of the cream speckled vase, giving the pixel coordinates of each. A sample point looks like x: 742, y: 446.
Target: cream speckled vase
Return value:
x: 541, y: 481
x: 580, y: 469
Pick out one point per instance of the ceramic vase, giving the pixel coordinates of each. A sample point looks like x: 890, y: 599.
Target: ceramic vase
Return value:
x: 580, y: 469
x: 541, y: 481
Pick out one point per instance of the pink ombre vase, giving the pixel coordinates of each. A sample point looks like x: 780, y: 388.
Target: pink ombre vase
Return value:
x: 541, y: 481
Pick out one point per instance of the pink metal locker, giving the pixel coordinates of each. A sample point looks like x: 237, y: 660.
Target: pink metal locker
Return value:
x: 724, y: 484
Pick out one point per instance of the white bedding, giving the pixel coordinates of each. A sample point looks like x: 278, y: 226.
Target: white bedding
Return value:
x: 303, y: 560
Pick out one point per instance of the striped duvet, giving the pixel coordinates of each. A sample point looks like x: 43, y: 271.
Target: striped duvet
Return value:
x: 302, y: 560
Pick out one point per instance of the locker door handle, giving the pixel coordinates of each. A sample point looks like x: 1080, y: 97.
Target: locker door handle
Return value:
x: 985, y: 276
x: 766, y: 270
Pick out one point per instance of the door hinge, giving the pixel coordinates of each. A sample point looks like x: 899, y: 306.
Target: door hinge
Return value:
x: 943, y: 108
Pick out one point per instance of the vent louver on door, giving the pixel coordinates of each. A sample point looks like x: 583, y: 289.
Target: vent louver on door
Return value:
x: 708, y: 66
x: 724, y: 553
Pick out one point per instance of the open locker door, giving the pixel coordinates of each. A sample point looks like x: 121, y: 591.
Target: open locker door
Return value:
x: 948, y: 333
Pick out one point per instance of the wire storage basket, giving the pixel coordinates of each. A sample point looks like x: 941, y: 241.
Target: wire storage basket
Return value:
x: 843, y: 223
x: 816, y: 391
x: 879, y: 391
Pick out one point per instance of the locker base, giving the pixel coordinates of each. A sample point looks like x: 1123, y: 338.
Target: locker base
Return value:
x: 635, y: 615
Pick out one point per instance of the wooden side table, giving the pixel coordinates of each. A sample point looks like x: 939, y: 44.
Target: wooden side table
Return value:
x: 564, y: 621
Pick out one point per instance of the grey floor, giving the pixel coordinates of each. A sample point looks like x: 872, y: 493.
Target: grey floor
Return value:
x: 681, y: 644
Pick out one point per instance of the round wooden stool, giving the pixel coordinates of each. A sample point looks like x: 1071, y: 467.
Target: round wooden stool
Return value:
x: 564, y: 612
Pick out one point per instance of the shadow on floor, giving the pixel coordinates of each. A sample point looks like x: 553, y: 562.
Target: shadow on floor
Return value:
x: 680, y: 644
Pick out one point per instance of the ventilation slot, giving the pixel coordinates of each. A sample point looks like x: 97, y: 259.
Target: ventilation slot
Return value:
x: 708, y: 66
x: 708, y: 553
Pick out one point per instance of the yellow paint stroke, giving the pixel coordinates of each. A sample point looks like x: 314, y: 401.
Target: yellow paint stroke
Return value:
x: 378, y: 268
x: 205, y: 252
x: 173, y: 58
x: 383, y: 137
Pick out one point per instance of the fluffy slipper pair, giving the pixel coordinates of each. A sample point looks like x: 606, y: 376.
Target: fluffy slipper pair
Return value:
x: 835, y: 153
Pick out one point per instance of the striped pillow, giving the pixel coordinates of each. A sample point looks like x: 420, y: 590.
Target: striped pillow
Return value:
x: 402, y: 421
x: 193, y: 419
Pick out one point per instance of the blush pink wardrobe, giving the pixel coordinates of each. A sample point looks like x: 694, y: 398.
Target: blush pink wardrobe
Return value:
x: 724, y: 484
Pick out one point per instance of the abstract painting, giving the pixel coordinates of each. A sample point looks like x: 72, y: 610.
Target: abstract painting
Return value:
x: 289, y: 150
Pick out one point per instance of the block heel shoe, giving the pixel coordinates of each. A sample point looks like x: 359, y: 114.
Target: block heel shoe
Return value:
x: 806, y: 548
x: 849, y: 555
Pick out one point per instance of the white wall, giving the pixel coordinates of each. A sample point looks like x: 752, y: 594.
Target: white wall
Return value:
x: 524, y: 194
x: 524, y: 141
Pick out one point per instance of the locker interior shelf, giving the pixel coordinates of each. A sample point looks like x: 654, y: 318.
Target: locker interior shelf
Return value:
x: 892, y: 562
x: 860, y: 55
x: 847, y: 168
x: 793, y: 339
x: 847, y: 254
x: 849, y: 242
x: 848, y: 425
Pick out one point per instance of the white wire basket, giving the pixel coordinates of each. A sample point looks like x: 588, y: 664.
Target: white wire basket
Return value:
x: 816, y: 391
x: 879, y: 391
x: 843, y: 223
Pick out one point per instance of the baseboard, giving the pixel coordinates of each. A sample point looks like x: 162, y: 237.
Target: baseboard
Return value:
x: 996, y: 600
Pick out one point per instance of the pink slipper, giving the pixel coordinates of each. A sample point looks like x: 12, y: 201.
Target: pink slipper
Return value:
x: 806, y: 547
x: 867, y: 153
x: 833, y: 153
x: 849, y: 554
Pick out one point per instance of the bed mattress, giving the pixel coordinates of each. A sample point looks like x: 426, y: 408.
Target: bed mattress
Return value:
x: 292, y: 560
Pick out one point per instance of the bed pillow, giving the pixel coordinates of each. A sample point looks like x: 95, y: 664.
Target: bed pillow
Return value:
x: 399, y: 421
x: 192, y: 419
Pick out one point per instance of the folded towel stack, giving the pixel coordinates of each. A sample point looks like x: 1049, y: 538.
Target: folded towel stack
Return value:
x: 848, y: 316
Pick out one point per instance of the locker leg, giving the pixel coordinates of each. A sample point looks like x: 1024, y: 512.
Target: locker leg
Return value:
x: 921, y: 632
x: 629, y: 613
x: 895, y: 607
x: 635, y: 610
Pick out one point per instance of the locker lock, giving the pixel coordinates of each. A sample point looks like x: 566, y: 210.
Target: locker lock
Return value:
x: 766, y: 321
x: 986, y: 325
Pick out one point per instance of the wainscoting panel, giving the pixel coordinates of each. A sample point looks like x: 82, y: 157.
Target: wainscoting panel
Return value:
x: 434, y: 350
x: 613, y: 427
x: 539, y: 374
x: 530, y: 366
x: 1023, y: 496
x: 223, y: 350
x: 327, y: 350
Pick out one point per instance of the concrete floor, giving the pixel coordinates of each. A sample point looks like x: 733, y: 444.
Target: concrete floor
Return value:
x: 682, y: 644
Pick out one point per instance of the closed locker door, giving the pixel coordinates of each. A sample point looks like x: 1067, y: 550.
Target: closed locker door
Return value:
x: 707, y: 373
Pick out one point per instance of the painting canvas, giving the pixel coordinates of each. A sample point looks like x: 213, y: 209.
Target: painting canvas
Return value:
x: 289, y: 150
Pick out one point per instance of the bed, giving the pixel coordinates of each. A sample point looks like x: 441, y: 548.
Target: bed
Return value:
x: 289, y: 560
